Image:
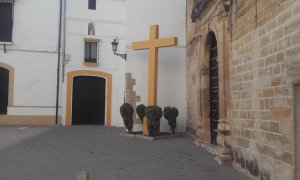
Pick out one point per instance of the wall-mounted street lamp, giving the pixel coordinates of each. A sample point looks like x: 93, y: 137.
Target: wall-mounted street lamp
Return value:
x: 114, y: 45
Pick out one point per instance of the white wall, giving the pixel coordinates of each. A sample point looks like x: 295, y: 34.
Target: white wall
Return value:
x: 35, y: 25
x: 33, y: 55
x: 108, y: 25
x: 170, y: 16
x: 106, y: 10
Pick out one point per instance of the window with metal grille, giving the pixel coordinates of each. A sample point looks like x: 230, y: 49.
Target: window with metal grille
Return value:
x: 92, y: 4
x: 6, y: 21
x: 90, y: 52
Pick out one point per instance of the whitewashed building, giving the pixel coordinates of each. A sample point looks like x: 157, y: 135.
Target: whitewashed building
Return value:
x: 90, y: 28
x: 28, y: 61
x: 58, y: 66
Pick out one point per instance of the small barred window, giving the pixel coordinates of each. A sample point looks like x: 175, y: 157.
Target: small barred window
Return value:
x: 6, y: 21
x: 92, y: 4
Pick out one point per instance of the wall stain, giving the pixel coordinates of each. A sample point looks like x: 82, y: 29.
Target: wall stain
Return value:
x: 252, y: 166
x: 239, y: 158
x: 264, y: 175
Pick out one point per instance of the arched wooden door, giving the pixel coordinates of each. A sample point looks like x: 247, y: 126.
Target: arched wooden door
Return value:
x: 4, y: 87
x: 214, y: 89
x: 88, y: 100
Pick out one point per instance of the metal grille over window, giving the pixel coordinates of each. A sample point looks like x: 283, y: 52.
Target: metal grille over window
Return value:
x: 91, y: 52
x: 6, y: 21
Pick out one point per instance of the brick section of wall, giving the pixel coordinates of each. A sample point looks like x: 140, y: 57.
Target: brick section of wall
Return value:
x: 131, y: 96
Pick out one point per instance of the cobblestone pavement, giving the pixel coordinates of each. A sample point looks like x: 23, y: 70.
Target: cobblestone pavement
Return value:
x: 59, y: 153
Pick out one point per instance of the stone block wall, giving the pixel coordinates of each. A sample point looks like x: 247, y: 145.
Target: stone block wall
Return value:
x: 192, y: 68
x: 263, y: 67
x: 297, y: 127
x: 265, y: 42
x: 194, y: 125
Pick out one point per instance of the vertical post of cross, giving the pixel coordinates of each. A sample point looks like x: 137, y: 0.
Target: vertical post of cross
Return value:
x: 153, y: 44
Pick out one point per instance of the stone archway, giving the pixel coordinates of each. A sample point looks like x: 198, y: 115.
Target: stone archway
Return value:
x: 214, y: 93
x: 108, y: 80
x: 210, y: 88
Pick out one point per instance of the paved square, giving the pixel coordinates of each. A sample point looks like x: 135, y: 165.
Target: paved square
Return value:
x: 59, y: 153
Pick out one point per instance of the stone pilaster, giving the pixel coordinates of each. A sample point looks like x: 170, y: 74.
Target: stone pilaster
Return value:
x: 223, y: 154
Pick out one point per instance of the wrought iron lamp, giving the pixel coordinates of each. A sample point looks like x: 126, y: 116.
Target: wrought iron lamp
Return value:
x: 114, y: 45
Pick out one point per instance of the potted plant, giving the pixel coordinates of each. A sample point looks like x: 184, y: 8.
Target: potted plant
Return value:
x: 171, y: 113
x: 153, y: 114
x: 126, y: 111
x: 140, y: 110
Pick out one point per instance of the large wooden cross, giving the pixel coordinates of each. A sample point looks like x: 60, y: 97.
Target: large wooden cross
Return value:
x: 153, y: 44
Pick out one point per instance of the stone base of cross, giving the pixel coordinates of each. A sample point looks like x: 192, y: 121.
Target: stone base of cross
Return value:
x: 153, y: 44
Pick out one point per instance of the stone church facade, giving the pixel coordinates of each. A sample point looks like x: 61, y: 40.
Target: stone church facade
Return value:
x: 243, y: 61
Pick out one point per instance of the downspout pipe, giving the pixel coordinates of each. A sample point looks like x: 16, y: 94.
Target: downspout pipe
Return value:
x: 64, y: 41
x: 58, y: 61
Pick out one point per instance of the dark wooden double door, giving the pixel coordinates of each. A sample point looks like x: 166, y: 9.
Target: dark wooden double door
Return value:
x: 4, y: 86
x: 214, y: 90
x: 88, y: 101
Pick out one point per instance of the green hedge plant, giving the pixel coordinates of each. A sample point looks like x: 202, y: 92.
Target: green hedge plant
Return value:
x: 141, y: 111
x: 126, y: 111
x: 171, y: 113
x: 153, y: 114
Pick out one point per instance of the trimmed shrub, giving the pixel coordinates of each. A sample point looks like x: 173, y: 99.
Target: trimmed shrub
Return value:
x: 171, y: 113
x: 126, y: 111
x: 140, y: 110
x: 153, y: 114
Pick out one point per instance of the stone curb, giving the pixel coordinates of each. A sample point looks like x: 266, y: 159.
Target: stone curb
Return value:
x: 152, y: 138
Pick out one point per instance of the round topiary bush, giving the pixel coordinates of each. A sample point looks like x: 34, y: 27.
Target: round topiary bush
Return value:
x: 126, y: 111
x: 153, y: 114
x: 171, y: 113
x: 140, y: 110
